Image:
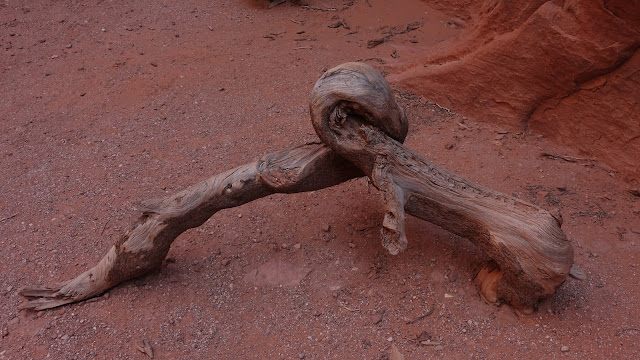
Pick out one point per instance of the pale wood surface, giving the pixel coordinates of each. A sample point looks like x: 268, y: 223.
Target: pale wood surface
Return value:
x: 355, y: 114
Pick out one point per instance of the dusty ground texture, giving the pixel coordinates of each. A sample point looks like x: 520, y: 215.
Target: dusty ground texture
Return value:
x: 107, y: 103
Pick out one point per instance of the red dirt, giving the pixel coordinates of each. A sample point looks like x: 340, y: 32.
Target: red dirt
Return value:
x: 169, y: 93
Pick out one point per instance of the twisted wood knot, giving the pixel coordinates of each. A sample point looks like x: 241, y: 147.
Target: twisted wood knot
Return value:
x: 355, y: 90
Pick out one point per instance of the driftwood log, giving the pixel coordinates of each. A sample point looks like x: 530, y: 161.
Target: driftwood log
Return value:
x: 362, y: 128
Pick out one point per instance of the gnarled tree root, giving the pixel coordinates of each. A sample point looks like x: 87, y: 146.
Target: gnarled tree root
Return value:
x: 532, y: 253
x: 304, y: 168
x: 355, y: 114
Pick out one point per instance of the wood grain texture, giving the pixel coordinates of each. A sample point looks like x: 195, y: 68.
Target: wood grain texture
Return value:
x: 532, y: 254
x: 362, y: 127
x: 142, y: 249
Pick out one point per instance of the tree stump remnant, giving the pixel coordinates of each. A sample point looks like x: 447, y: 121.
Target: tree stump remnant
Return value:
x: 355, y: 114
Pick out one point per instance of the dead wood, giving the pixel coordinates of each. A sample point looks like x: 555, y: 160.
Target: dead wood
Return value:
x: 142, y: 249
x: 355, y: 114
x: 532, y: 254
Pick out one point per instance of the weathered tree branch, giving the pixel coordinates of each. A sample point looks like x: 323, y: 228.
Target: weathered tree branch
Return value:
x: 355, y: 114
x: 142, y: 249
x: 532, y: 254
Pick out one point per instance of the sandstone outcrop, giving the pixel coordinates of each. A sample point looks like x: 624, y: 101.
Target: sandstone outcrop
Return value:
x: 566, y: 69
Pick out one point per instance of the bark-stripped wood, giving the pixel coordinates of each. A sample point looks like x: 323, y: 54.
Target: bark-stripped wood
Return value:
x: 355, y: 114
x: 142, y: 249
x: 532, y: 254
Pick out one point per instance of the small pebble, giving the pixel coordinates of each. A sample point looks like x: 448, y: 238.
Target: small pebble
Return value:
x: 438, y: 348
x: 326, y: 228
x: 564, y: 348
x: 225, y: 262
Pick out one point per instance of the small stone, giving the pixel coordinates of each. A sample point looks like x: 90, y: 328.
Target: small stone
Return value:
x: 47, y: 73
x: 424, y: 336
x: 225, y: 262
x: 564, y: 348
x: 65, y: 337
x: 352, y: 245
x: 438, y: 348
x: 301, y: 356
x: 14, y: 321
x: 55, y: 56
x: 297, y: 246
x: 326, y: 228
x: 390, y: 339
x: 377, y: 318
x: 284, y: 246
x: 635, y: 230
x: 69, y: 46
x: 449, y: 146
x: 423, y: 100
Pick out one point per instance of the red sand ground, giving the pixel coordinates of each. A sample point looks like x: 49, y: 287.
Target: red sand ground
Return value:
x: 108, y: 103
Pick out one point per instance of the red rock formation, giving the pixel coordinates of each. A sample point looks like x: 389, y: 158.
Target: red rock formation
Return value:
x: 600, y: 119
x: 566, y: 69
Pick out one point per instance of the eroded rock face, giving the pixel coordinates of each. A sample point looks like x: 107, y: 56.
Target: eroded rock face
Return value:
x: 601, y: 119
x: 568, y: 70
